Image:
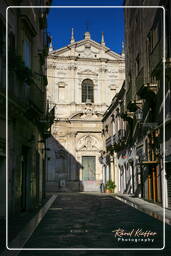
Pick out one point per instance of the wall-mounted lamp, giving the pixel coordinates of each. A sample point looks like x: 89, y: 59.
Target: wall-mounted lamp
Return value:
x: 139, y: 114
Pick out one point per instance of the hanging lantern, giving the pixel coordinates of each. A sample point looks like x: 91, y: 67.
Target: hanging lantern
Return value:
x: 139, y: 115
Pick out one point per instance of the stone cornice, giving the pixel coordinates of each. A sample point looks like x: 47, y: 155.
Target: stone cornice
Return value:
x: 100, y: 60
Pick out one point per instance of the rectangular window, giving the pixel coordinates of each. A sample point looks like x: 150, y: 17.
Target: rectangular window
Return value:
x: 87, y: 91
x: 87, y: 94
x: 90, y: 93
x: 27, y: 52
x: 84, y: 93
x: 155, y: 35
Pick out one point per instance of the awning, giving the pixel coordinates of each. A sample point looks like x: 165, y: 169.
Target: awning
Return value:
x: 150, y: 162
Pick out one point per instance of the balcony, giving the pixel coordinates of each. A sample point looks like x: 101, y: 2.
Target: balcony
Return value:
x: 147, y: 91
x: 115, y: 139
x: 109, y: 142
x: 116, y: 142
x: 121, y: 134
x: 127, y: 116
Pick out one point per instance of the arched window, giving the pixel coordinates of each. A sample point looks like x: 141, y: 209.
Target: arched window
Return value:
x: 87, y: 91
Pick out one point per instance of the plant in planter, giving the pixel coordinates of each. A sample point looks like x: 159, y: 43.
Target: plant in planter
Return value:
x: 110, y: 186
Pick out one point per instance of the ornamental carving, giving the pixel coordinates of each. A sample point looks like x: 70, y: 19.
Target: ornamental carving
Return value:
x: 88, y: 143
x: 88, y: 72
x: 61, y: 84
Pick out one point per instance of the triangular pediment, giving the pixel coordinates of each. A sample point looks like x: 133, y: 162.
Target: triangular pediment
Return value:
x: 86, y: 48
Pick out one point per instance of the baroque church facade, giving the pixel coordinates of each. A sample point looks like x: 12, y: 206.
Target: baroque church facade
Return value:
x: 83, y: 77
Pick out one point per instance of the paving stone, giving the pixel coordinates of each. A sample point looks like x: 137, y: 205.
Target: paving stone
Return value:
x: 89, y: 223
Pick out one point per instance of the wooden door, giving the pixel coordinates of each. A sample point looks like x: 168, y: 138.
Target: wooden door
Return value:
x: 89, y: 168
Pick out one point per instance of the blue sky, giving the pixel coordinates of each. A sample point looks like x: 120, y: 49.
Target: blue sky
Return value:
x: 110, y: 21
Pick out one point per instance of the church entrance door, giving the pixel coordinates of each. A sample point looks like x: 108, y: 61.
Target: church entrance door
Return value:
x: 89, y: 173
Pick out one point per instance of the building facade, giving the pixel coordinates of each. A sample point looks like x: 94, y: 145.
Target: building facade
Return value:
x: 141, y: 168
x: 114, y: 134
x: 28, y: 119
x: 82, y: 79
x: 145, y: 95
x: 117, y: 132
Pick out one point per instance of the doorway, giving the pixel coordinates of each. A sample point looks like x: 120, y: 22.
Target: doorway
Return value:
x: 89, y: 170
x: 152, y: 184
x: 89, y: 174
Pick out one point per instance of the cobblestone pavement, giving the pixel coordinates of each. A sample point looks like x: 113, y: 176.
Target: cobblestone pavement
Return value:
x: 84, y: 220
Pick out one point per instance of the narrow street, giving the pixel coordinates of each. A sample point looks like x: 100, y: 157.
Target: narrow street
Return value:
x: 86, y: 220
x: 85, y: 127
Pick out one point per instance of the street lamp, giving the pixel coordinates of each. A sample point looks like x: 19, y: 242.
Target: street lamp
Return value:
x: 139, y: 114
x: 139, y: 118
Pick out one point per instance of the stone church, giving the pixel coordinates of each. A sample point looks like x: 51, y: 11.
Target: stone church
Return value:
x: 83, y: 77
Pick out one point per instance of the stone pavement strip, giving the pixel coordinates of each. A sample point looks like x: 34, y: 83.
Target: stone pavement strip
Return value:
x: 27, y: 231
x: 151, y: 209
x: 86, y: 220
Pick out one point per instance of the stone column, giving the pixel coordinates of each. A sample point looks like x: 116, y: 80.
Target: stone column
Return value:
x: 103, y: 174
x: 107, y: 172
x: 112, y: 168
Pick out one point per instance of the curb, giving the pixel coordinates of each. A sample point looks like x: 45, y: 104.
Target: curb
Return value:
x: 17, y: 244
x: 146, y: 209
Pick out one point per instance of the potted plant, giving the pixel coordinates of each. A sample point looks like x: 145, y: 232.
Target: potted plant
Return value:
x: 110, y: 186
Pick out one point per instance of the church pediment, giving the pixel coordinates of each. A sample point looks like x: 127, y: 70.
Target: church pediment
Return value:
x: 86, y: 48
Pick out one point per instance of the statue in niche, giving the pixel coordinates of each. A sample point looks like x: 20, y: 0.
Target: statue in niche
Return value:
x: 89, y: 142
x: 88, y: 112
